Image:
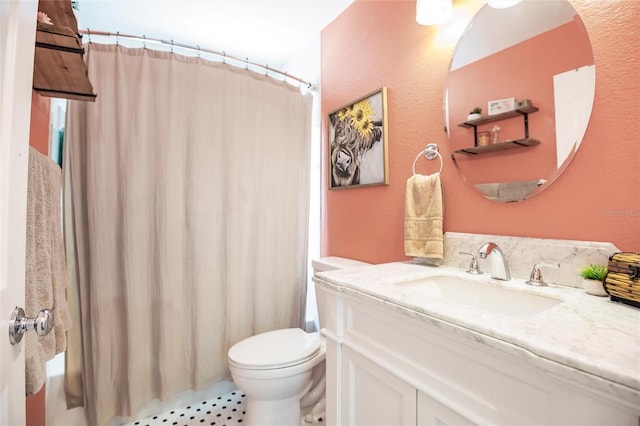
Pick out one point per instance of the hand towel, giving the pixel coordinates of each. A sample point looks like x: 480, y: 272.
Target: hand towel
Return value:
x: 423, y: 235
x: 45, y: 267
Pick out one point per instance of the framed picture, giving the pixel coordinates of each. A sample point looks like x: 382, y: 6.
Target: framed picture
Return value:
x: 501, y: 105
x: 358, y: 143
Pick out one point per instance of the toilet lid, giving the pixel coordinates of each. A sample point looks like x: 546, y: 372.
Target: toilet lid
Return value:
x: 275, y: 349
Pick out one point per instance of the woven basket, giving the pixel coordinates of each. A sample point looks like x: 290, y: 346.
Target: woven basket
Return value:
x: 622, y: 281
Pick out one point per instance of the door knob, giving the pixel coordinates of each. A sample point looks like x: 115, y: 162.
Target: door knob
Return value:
x: 20, y: 324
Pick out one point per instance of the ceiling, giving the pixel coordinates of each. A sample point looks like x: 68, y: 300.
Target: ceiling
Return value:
x: 270, y: 32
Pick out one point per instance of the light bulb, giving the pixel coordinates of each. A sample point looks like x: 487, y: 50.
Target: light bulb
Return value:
x: 502, y: 4
x: 433, y: 12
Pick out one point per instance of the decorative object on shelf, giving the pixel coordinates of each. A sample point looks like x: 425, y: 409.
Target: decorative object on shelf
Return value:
x: 499, y: 106
x: 593, y: 279
x: 622, y: 281
x: 357, y: 143
x: 496, y: 130
x: 523, y: 104
x: 475, y: 114
x: 44, y: 19
x: 484, y: 138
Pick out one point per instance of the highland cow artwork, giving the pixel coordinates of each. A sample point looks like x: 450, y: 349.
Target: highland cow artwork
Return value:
x: 358, y: 143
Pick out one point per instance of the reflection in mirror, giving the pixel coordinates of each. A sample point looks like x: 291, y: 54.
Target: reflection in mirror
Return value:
x: 536, y: 50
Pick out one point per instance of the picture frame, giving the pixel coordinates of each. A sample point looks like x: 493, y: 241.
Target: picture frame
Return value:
x: 498, y: 106
x: 358, y: 143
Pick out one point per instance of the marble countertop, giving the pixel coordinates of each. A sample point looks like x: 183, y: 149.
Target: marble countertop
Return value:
x: 588, y: 334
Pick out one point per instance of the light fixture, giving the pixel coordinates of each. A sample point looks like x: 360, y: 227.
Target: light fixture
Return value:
x: 502, y: 4
x: 433, y: 12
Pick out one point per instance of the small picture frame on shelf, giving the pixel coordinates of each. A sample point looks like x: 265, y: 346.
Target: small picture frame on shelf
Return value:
x: 499, y: 106
x: 357, y: 143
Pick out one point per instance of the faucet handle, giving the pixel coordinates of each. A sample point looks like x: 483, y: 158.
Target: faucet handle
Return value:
x: 473, y: 267
x: 536, y: 276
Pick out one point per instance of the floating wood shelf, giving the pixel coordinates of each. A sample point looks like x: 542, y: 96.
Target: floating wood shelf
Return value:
x: 58, y: 69
x: 502, y: 116
x: 494, y: 147
x: 520, y: 112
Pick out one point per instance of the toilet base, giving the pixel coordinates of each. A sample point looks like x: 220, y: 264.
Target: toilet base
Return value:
x: 284, y: 412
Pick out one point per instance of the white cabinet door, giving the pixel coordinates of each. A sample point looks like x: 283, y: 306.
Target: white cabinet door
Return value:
x: 432, y: 413
x: 371, y: 396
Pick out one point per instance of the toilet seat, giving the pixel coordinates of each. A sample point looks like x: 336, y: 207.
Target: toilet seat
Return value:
x: 275, y: 349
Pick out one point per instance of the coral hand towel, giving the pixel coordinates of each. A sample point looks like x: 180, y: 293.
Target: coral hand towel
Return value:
x: 423, y: 218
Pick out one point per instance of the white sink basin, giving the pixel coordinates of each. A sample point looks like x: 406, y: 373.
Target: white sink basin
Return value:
x: 478, y: 295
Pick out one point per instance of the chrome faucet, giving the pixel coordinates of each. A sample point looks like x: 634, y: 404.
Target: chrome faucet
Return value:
x: 497, y: 262
x: 536, y: 276
x: 474, y: 269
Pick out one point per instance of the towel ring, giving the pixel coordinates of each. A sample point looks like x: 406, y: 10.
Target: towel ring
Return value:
x: 430, y: 152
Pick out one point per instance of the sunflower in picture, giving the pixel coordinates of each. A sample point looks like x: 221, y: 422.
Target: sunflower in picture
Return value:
x: 344, y: 113
x: 362, y: 117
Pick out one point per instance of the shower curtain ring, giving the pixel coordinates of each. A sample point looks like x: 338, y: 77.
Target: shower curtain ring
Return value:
x: 198, y: 46
x: 144, y: 43
x: 117, y: 38
x: 267, y: 68
x: 285, y: 77
x: 246, y: 64
x: 171, y: 45
x: 89, y: 34
x: 224, y: 57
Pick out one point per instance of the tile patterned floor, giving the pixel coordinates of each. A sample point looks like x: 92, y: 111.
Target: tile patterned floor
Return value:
x: 225, y: 410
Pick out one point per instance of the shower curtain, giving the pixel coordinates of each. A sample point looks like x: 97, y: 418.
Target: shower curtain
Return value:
x: 187, y: 217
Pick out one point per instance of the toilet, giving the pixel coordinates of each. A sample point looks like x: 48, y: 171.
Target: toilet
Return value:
x: 281, y: 370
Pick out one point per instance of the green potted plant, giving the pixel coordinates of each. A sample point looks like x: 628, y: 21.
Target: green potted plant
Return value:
x: 593, y: 279
x: 475, y: 114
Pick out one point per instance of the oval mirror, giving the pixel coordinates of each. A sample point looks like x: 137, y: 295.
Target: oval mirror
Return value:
x: 530, y: 69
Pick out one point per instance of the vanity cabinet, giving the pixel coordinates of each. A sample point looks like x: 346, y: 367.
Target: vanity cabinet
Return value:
x: 376, y: 396
x: 389, y: 365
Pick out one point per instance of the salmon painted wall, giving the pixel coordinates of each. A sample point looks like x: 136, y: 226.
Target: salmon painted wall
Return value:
x: 378, y: 43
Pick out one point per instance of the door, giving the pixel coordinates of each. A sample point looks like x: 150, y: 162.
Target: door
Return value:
x: 17, y: 45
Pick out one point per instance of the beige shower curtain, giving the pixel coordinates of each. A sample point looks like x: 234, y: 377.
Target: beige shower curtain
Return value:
x: 188, y: 213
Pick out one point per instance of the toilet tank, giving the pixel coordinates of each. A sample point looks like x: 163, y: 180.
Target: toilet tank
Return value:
x: 332, y: 262
x: 326, y: 312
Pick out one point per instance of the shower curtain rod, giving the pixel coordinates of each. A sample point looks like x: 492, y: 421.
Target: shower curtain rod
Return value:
x: 222, y: 54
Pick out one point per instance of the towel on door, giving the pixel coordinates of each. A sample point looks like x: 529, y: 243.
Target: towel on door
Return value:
x: 45, y: 267
x: 423, y: 218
